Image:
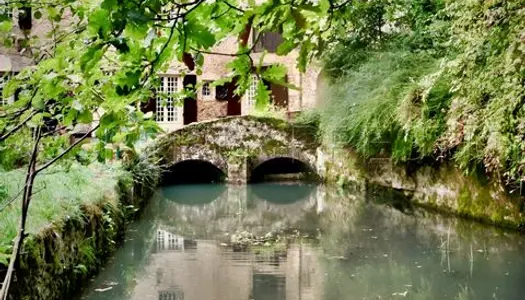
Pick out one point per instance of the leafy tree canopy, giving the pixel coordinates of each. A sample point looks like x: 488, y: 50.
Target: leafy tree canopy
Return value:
x: 99, y: 59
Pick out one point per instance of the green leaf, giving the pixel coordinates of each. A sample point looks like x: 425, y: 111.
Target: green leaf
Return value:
x: 6, y: 26
x: 200, y: 35
x: 53, y: 13
x: 91, y: 58
x: 108, y: 120
x: 4, y: 259
x: 275, y: 73
x: 221, y: 81
x: 35, y: 120
x: 99, y: 23
x: 324, y: 5
x: 302, y: 59
x: 8, y: 42
x: 70, y: 117
x: 285, y: 47
x: 199, y: 59
x: 148, y: 115
x: 262, y: 98
x: 119, y: 137
x: 300, y: 20
x: 38, y: 102
x: 85, y: 117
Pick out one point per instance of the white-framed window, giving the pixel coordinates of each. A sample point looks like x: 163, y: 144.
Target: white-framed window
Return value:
x: 251, y: 94
x: 160, y: 240
x: 3, y: 80
x: 175, y: 242
x: 206, y: 89
x: 167, y: 110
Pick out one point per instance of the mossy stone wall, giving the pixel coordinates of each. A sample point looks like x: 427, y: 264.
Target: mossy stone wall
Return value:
x: 440, y: 187
x: 57, y: 262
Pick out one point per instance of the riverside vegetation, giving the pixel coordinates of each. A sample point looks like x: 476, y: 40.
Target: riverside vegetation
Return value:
x: 428, y: 81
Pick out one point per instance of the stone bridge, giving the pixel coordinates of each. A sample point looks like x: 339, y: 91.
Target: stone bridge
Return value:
x: 238, y: 150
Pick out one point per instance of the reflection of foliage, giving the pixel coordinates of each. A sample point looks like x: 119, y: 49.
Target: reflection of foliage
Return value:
x: 130, y: 260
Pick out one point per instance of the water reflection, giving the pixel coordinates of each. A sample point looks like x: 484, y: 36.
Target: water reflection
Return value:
x: 281, y: 193
x: 193, y: 194
x: 346, y: 247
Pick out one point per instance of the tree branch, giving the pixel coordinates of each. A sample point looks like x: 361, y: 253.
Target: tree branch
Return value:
x: 12, y: 199
x: 17, y: 127
x: 232, y: 6
x: 67, y: 150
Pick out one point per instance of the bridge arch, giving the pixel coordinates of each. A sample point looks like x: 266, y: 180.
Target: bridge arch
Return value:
x: 281, y: 167
x: 193, y: 171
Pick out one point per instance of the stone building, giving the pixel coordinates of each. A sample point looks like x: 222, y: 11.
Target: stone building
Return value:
x: 211, y: 101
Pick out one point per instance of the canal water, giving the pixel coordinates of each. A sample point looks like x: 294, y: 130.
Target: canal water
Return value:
x: 299, y: 242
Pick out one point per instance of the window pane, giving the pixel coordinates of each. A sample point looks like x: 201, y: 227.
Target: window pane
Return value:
x: 3, y: 80
x: 221, y: 92
x: 170, y: 105
x: 165, y: 101
x: 206, y: 89
x: 160, y: 101
x: 251, y: 93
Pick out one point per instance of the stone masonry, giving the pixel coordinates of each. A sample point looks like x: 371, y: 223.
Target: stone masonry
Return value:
x: 236, y: 145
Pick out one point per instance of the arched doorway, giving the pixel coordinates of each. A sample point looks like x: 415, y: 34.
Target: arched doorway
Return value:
x: 193, y: 171
x: 282, y: 169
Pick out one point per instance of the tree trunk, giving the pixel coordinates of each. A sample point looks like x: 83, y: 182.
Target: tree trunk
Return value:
x: 26, y: 199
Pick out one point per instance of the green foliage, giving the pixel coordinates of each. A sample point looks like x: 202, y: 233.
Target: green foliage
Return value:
x: 487, y: 123
x: 15, y: 154
x: 457, y: 93
x: 368, y: 115
x: 145, y: 168
x: 310, y: 120
x: 368, y: 26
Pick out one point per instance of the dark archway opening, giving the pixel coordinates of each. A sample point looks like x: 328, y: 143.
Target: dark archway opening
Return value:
x: 282, y: 169
x: 193, y: 171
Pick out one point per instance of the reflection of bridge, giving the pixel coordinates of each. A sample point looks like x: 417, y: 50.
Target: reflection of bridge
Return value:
x: 190, y: 263
x: 210, y: 211
x: 238, y: 149
x: 211, y: 272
